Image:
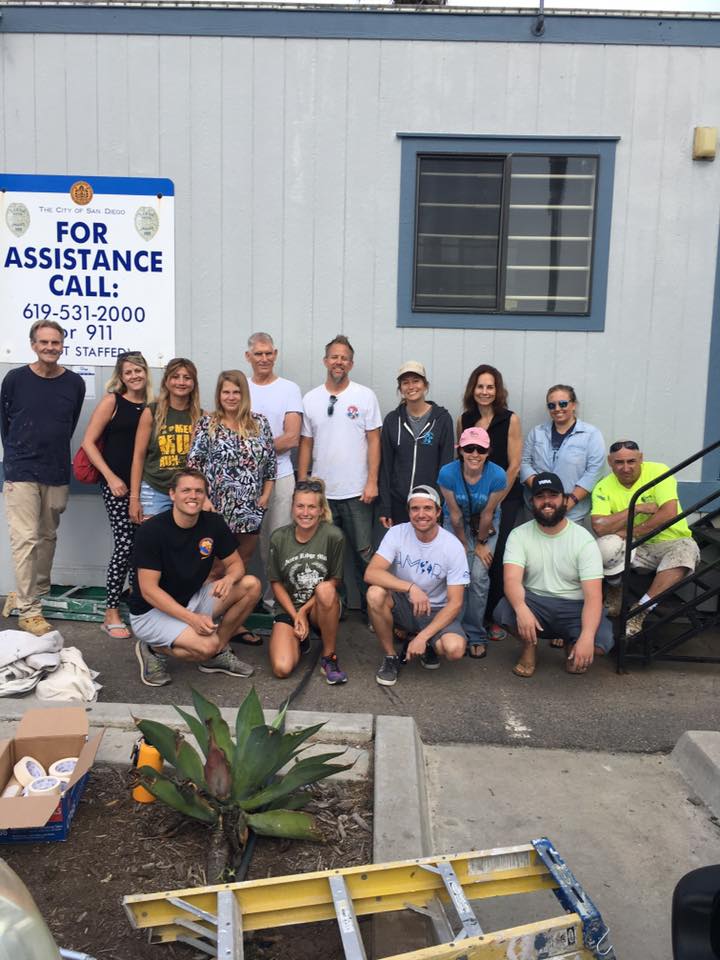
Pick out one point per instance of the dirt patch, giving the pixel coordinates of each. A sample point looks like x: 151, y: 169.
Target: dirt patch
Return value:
x: 118, y: 847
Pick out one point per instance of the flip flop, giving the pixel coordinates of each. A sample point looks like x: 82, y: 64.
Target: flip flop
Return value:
x: 477, y: 651
x: 113, y: 630
x: 240, y: 638
x: 557, y: 643
x: 496, y: 632
x: 524, y: 670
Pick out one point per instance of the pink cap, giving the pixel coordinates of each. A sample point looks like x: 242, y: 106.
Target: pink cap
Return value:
x: 474, y: 435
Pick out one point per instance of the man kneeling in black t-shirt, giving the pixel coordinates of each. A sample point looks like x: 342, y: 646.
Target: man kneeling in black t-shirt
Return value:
x: 174, y: 608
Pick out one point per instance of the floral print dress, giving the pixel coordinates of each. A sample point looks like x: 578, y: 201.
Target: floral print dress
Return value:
x: 236, y: 469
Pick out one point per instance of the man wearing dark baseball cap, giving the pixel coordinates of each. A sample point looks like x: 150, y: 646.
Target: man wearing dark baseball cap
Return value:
x: 553, y: 583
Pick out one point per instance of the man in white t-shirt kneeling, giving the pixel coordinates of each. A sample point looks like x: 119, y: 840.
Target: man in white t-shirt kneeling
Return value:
x: 416, y: 583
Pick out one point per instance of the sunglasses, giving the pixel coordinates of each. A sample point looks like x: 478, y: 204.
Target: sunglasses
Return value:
x: 331, y: 405
x: 627, y: 444
x: 129, y: 353
x: 563, y: 404
x: 474, y: 448
x: 312, y: 486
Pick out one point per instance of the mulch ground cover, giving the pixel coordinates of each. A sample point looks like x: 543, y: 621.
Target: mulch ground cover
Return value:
x: 118, y: 847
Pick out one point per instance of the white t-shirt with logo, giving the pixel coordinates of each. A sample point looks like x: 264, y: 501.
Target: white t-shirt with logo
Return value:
x: 339, y: 439
x: 431, y: 566
x: 274, y: 400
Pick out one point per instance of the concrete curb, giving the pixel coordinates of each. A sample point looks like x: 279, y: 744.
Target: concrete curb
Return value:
x: 401, y: 824
x: 697, y: 756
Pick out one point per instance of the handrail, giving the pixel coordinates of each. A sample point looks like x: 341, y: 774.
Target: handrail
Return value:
x: 631, y: 544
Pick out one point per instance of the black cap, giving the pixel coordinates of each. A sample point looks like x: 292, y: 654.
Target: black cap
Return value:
x: 546, y: 481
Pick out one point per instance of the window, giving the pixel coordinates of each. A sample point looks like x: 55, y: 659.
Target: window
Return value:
x: 511, y: 235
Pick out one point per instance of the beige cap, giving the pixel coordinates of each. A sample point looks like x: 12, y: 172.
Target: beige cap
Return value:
x: 412, y: 366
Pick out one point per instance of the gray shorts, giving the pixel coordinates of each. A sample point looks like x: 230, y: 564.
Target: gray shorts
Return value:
x: 648, y: 557
x: 405, y: 619
x: 159, y: 629
x: 559, y: 618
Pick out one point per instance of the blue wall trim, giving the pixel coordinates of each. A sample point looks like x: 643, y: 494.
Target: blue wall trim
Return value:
x: 604, y: 147
x: 129, y: 186
x: 385, y: 23
x: 711, y: 463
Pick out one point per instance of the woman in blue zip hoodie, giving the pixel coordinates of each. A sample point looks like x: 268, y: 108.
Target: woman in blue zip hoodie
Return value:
x: 568, y: 447
x: 416, y: 440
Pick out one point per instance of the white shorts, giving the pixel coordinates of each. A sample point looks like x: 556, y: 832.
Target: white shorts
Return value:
x: 159, y: 629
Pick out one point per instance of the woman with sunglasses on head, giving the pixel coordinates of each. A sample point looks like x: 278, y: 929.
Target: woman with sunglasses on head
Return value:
x: 473, y: 487
x: 109, y: 442
x: 568, y: 447
x: 163, y: 439
x: 305, y: 570
x: 485, y: 405
x: 416, y: 440
x: 235, y: 450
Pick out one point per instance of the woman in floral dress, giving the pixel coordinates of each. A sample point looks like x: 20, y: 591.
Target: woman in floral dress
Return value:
x: 234, y: 448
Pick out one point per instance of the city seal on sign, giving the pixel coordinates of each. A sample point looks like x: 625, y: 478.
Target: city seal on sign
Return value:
x: 81, y: 192
x: 17, y: 217
x: 147, y: 222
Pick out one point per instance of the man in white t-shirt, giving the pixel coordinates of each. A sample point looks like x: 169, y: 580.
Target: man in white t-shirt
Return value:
x: 341, y: 443
x: 280, y: 401
x: 417, y: 583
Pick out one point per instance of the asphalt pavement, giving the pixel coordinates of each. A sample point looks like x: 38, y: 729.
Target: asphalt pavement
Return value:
x: 644, y: 711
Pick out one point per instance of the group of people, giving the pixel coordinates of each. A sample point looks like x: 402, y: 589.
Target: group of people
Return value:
x: 190, y: 494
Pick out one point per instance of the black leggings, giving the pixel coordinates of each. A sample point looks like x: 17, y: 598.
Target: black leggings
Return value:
x: 123, y: 531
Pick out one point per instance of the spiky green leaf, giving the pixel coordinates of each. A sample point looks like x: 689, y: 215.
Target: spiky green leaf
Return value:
x: 285, y: 823
x: 218, y: 774
x: 198, y: 729
x: 250, y: 714
x: 186, y: 802
x: 301, y: 775
x: 279, y: 721
x: 189, y: 766
x: 210, y: 715
x: 253, y: 762
x: 301, y: 799
x: 165, y: 740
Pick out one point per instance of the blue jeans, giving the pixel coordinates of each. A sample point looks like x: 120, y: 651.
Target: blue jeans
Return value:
x: 355, y: 519
x: 476, y: 595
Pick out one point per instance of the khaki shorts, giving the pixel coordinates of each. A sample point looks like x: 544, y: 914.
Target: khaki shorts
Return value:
x: 648, y: 557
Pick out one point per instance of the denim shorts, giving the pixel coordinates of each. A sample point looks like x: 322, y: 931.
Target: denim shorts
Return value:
x: 152, y: 501
x: 159, y: 629
x: 405, y: 619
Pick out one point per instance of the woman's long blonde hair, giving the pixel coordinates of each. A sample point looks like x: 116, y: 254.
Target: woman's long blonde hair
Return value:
x: 248, y: 425
x: 304, y: 486
x: 163, y: 400
x: 115, y: 383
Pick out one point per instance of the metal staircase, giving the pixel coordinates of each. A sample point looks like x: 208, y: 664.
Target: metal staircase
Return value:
x: 690, y: 606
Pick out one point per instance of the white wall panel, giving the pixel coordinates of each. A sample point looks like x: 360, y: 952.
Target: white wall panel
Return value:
x: 286, y: 165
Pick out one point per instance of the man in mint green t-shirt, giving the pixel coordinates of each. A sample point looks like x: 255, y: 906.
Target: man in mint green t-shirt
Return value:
x: 553, y: 583
x: 671, y: 553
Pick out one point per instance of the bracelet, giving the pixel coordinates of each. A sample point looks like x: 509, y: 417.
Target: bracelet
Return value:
x: 133, y: 498
x: 572, y: 495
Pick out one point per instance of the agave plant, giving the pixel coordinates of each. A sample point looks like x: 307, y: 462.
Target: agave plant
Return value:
x: 236, y: 787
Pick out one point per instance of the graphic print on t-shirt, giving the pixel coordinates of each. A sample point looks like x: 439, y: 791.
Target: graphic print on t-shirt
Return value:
x: 205, y: 546
x: 174, y: 444
x: 304, y: 572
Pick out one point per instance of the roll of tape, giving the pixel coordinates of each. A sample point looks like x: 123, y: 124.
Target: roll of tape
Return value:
x: 63, y: 768
x: 44, y: 786
x: 13, y: 788
x: 28, y: 769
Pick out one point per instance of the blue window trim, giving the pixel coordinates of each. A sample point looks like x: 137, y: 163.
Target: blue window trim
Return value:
x: 414, y: 143
x: 711, y: 463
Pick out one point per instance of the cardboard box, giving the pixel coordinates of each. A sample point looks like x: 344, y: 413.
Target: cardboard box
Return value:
x: 47, y: 735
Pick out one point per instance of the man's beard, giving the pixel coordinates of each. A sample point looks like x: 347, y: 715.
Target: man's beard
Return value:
x: 550, y: 519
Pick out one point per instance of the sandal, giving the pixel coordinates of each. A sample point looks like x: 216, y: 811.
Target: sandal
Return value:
x: 476, y: 651
x: 496, y: 632
x: 252, y: 642
x: 557, y: 643
x: 117, y: 630
x: 524, y: 670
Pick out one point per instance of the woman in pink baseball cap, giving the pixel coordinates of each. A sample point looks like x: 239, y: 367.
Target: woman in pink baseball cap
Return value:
x: 473, y: 487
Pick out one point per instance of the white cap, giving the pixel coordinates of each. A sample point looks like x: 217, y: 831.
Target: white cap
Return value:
x: 412, y: 366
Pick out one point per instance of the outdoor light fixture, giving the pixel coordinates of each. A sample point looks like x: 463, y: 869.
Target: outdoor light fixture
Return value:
x: 705, y: 143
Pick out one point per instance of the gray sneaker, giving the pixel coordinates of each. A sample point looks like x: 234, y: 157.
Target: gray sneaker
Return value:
x: 152, y: 666
x: 227, y: 662
x: 388, y: 673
